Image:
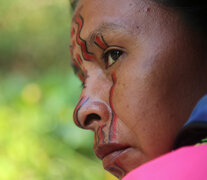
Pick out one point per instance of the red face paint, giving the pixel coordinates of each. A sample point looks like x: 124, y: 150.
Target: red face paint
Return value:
x: 112, y: 128
x: 72, y: 32
x: 71, y: 51
x: 75, y: 63
x: 88, y: 56
x: 73, y: 44
x: 81, y: 103
x: 81, y: 77
x: 101, y: 134
x: 100, y: 42
x: 85, y: 72
x: 79, y: 59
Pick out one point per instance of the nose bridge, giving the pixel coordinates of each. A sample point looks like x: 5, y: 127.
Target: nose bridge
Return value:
x: 97, y: 83
x: 93, y: 107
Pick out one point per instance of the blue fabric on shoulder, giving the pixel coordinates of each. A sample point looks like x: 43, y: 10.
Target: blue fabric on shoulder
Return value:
x: 199, y: 113
x: 195, y: 129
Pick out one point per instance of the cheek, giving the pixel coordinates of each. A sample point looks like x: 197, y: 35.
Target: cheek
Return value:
x: 144, y: 110
x: 131, y: 93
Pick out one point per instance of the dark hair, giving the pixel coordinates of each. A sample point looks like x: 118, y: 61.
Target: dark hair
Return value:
x: 73, y: 4
x: 194, y: 12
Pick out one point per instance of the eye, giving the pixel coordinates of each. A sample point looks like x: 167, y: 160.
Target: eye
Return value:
x: 111, y: 56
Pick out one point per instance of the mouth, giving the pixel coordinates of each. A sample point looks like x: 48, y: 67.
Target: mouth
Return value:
x: 104, y: 150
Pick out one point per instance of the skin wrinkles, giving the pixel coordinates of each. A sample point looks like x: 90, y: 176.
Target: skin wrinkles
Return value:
x: 123, y: 172
x: 120, y: 166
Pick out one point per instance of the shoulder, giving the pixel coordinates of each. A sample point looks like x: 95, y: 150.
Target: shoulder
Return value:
x: 189, y: 162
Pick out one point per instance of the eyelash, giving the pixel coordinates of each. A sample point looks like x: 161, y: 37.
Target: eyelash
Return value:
x: 108, y: 53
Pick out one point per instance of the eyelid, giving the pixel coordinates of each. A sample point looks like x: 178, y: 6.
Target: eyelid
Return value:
x: 107, y: 50
x: 110, y: 49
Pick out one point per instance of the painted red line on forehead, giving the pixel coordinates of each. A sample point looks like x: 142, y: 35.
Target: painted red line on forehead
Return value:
x: 85, y: 71
x: 81, y: 77
x: 88, y: 56
x: 75, y: 63
x: 79, y: 59
x: 112, y: 128
x: 81, y: 103
x: 101, y: 43
x: 71, y: 51
x: 73, y: 44
x: 72, y: 32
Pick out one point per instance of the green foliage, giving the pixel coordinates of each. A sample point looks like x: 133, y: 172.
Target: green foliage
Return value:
x: 30, y: 31
x: 38, y: 92
x: 38, y: 137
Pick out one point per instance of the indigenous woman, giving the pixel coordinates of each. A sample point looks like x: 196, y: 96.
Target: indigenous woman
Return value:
x: 143, y: 65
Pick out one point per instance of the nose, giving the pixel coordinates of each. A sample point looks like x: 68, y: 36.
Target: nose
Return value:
x: 91, y: 113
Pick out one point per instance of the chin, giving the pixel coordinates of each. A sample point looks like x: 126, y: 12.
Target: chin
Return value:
x: 121, y: 162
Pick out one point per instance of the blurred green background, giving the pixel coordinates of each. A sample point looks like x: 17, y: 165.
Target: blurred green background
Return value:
x: 38, y: 92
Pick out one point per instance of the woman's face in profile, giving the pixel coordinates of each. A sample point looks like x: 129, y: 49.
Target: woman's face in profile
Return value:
x: 138, y: 73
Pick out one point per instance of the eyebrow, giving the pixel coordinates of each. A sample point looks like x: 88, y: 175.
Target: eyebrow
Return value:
x: 103, y: 28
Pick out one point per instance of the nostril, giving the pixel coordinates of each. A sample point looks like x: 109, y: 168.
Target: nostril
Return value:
x: 90, y: 118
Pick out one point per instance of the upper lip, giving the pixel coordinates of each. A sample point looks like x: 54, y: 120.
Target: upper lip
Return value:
x: 105, y: 149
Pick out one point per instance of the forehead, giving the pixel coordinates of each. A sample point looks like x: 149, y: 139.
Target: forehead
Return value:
x: 123, y: 12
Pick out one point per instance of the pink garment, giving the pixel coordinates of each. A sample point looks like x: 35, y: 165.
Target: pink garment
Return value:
x: 187, y: 163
